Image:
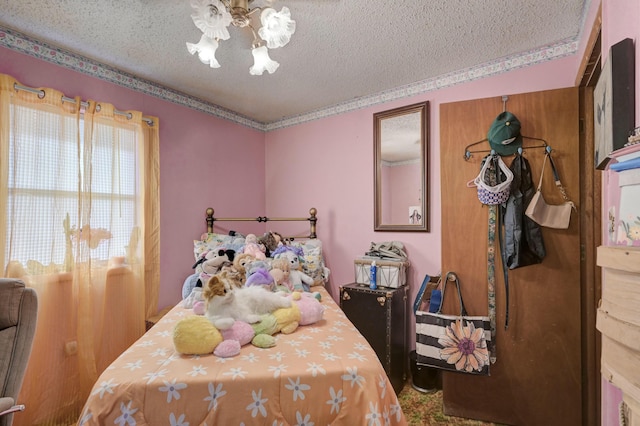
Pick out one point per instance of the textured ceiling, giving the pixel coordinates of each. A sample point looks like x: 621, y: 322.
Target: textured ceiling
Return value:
x: 345, y: 53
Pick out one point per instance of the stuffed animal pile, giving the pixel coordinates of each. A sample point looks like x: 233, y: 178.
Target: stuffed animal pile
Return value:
x: 248, y: 261
x: 250, y: 267
x: 196, y: 335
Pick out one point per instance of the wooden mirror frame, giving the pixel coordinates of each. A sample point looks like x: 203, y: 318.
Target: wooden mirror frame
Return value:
x: 422, y: 109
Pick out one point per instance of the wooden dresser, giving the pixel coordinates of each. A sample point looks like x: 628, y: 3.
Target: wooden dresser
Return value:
x: 618, y: 317
x: 618, y: 320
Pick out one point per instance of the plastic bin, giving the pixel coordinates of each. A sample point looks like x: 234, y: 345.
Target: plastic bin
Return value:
x: 390, y: 274
x: 424, y: 379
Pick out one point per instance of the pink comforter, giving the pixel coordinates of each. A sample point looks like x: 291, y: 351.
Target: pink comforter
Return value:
x: 321, y: 374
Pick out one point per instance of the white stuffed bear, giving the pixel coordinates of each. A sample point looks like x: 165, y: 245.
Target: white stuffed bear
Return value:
x: 298, y: 279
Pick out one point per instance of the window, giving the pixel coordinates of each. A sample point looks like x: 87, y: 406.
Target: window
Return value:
x: 50, y: 173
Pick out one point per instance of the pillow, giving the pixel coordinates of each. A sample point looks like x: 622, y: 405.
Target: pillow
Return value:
x: 312, y: 261
x: 214, y: 241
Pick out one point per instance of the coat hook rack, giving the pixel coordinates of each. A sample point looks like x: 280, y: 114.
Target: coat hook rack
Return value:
x: 505, y: 98
x: 468, y: 153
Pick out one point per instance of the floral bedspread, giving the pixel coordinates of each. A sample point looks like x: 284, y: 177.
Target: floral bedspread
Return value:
x: 321, y: 374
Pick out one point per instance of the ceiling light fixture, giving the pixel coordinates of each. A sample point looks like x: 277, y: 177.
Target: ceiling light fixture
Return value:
x: 213, y: 18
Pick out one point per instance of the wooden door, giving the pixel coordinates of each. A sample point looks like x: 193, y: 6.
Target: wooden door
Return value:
x: 536, y: 379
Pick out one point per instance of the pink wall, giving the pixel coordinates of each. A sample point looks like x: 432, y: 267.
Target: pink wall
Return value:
x: 201, y: 158
x: 332, y: 160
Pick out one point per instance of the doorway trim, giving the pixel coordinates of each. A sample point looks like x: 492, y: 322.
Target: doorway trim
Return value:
x: 591, y: 229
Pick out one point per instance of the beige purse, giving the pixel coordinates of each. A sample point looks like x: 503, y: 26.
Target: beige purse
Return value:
x: 547, y: 215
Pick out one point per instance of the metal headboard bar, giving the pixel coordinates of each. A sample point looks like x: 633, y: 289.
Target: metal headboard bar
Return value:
x: 312, y: 220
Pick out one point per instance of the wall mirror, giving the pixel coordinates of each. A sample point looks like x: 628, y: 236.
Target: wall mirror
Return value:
x: 400, y: 168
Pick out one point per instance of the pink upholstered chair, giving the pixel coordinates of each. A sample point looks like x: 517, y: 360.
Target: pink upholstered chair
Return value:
x: 18, y: 314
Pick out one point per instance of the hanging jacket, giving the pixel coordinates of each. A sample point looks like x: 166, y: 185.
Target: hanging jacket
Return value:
x: 523, y: 244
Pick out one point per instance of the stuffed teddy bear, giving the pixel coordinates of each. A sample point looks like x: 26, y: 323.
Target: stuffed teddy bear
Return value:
x: 298, y: 279
x: 252, y: 247
x: 280, y: 271
x: 270, y: 241
x: 210, y: 262
x: 240, y: 263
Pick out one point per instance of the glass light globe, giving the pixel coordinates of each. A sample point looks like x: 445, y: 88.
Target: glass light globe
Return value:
x: 262, y: 62
x: 212, y: 18
x: 277, y: 27
x: 206, y: 50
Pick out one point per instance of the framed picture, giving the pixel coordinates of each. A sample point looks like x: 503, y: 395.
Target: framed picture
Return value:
x: 614, y: 102
x: 415, y: 215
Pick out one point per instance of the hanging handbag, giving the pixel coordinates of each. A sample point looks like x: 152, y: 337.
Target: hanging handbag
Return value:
x: 521, y: 240
x: 453, y: 342
x: 493, y: 194
x: 548, y: 215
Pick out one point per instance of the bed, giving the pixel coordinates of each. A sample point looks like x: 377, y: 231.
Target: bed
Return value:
x: 321, y: 374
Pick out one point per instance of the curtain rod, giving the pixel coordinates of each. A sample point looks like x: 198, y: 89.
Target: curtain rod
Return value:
x: 40, y: 94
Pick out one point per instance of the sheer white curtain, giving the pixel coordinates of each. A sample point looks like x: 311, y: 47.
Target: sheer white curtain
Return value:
x: 79, y: 223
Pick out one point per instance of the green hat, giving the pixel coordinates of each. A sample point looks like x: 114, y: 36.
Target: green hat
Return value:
x: 504, y: 134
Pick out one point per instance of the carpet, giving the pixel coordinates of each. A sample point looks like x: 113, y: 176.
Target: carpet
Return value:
x: 425, y: 409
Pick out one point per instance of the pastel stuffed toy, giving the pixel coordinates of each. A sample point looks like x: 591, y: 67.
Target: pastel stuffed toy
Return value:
x: 288, y: 319
x: 196, y: 335
x: 189, y: 284
x: 255, y: 264
x: 283, y: 320
x: 210, y: 262
x: 311, y: 310
x: 270, y: 241
x: 252, y: 247
x: 298, y: 279
x: 305, y: 310
x: 193, y: 297
x: 240, y: 263
x: 199, y: 308
x: 280, y: 271
x: 238, y: 335
x: 261, y: 277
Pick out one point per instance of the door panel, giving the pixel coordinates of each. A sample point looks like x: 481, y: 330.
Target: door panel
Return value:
x: 537, y: 377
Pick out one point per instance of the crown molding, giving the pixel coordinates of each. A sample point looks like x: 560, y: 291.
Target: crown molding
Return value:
x: 21, y: 43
